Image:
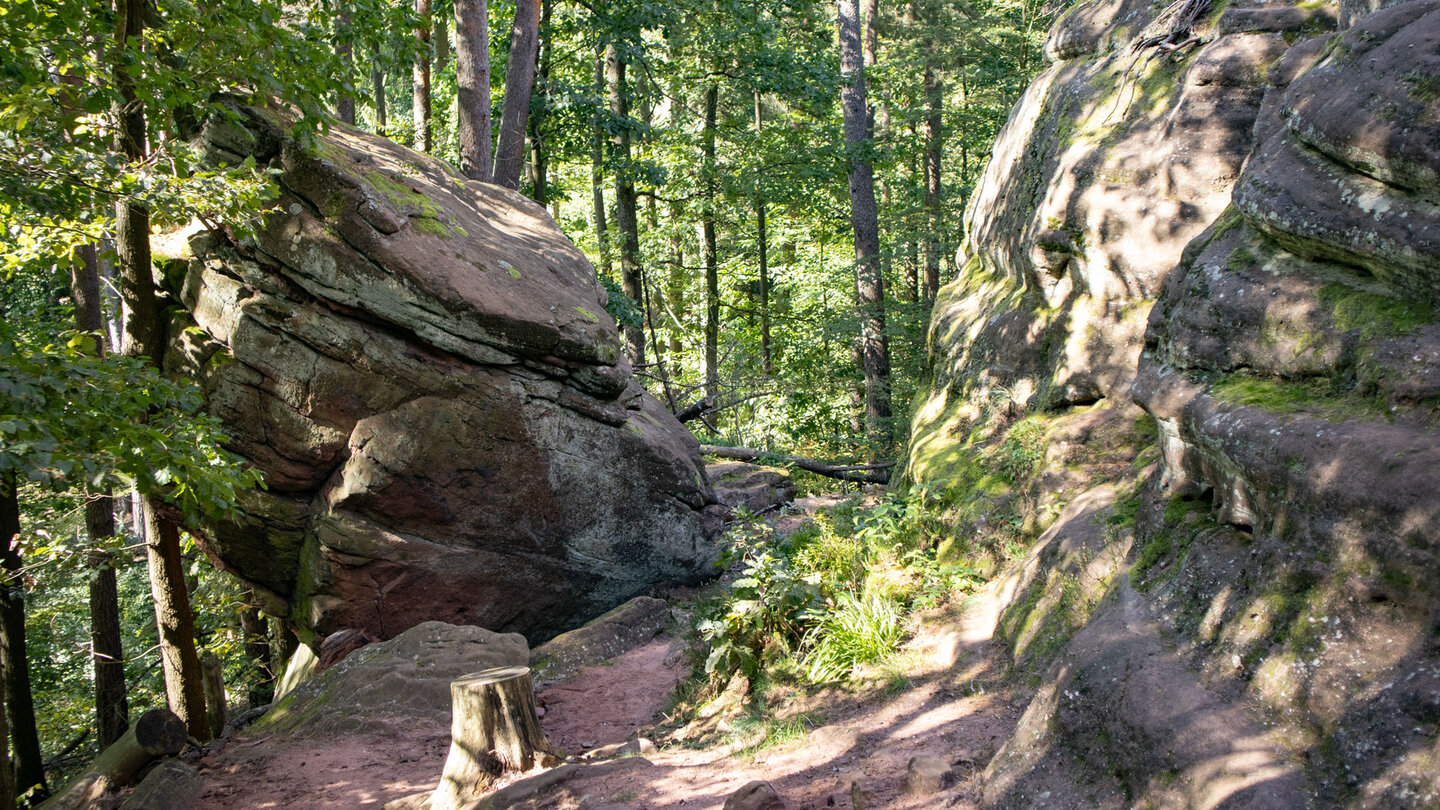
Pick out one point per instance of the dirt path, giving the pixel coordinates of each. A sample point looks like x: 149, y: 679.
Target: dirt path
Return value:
x: 946, y: 705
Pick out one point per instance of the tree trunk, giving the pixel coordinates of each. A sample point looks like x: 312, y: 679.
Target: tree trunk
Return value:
x: 29, y: 769
x: 679, y: 278
x: 256, y: 634
x: 873, y: 347
x: 213, y: 684
x: 144, y: 337
x: 377, y: 79
x: 472, y: 80
x: 760, y: 240
x: 420, y: 80
x: 345, y: 108
x: 626, y: 218
x: 286, y: 643
x: 519, y: 81
x: 107, y: 652
x: 184, y: 679
x: 707, y: 238
x: 597, y: 168
x: 158, y: 733
x: 441, y: 42
x: 538, y: 165
x: 934, y: 149
x: 493, y: 730
x: 7, y: 771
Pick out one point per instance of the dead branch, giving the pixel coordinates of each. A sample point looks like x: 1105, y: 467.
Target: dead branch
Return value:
x: 862, y: 474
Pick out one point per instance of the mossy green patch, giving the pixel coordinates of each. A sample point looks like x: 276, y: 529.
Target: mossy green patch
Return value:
x: 1423, y: 86
x: 1373, y: 314
x: 1333, y: 400
x: 588, y: 315
x: 509, y: 268
x: 1241, y: 259
x: 434, y: 227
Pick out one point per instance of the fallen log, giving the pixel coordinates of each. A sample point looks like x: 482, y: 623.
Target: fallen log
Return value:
x: 858, y: 473
x: 493, y: 730
x: 158, y: 733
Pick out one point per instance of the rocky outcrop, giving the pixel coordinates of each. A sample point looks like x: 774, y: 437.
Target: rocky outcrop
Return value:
x: 1293, y: 366
x: 402, y: 683
x: 754, y: 487
x: 1114, y: 159
x: 1257, y: 621
x: 423, y: 368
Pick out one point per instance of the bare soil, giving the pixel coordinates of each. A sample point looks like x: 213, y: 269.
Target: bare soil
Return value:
x: 942, y: 696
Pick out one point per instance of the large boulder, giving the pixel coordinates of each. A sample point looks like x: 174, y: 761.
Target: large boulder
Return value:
x: 1112, y: 161
x: 423, y: 368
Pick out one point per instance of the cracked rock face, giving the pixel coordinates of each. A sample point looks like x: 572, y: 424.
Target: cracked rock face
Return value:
x: 424, y: 370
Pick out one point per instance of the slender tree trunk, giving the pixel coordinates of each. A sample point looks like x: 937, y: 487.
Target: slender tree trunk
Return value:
x: 285, y: 645
x: 440, y: 45
x: 625, y: 204
x: 707, y: 238
x: 256, y: 634
x: 184, y: 679
x: 345, y: 108
x: 597, y: 168
x: 441, y: 41
x: 519, y: 81
x: 679, y: 278
x: 9, y: 530
x: 29, y: 766
x: 420, y: 80
x: 107, y: 653
x: 761, y: 242
x: 538, y: 165
x: 934, y: 149
x: 377, y: 80
x: 472, y: 78
x: 874, y: 349
x: 144, y: 337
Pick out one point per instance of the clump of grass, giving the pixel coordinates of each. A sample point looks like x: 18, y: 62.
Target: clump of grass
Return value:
x: 857, y: 631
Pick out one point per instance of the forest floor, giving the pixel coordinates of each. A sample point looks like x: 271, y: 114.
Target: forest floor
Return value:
x: 944, y: 695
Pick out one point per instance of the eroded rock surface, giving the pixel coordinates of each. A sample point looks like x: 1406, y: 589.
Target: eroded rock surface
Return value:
x: 1256, y: 624
x: 424, y: 369
x: 1293, y: 366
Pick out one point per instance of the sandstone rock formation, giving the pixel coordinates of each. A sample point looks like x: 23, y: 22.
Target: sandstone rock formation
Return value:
x: 1254, y: 625
x: 424, y: 370
x: 755, y: 487
x: 402, y: 683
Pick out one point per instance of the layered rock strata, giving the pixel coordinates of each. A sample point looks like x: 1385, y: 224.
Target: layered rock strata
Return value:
x: 424, y: 369
x: 1256, y: 624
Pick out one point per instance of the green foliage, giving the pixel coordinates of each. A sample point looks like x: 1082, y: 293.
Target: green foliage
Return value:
x: 768, y: 604
x: 835, y: 592
x: 622, y: 308
x: 856, y: 631
x: 1022, y: 449
x: 68, y: 419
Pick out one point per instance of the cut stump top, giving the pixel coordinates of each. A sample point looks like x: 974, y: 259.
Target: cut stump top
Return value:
x: 493, y: 675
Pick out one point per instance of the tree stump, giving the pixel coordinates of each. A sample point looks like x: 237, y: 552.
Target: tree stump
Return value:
x: 493, y: 730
